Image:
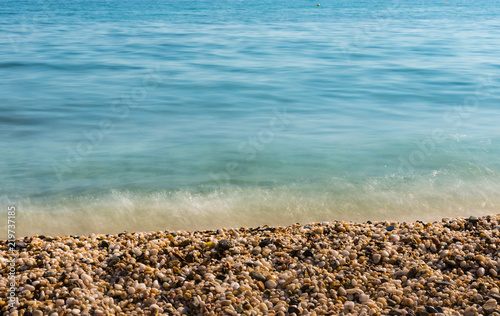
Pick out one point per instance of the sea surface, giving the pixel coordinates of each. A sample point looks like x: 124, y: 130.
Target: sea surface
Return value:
x: 128, y: 115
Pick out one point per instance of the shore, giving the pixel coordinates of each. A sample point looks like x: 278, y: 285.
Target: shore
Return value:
x: 450, y: 267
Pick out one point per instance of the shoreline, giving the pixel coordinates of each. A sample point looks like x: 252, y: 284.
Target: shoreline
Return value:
x: 448, y: 267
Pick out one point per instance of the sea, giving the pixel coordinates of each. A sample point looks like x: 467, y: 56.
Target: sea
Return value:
x: 128, y: 115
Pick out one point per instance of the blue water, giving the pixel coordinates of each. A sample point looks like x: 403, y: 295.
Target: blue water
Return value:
x: 147, y: 115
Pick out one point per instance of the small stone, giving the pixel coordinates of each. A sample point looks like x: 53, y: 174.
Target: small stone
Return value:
x: 256, y: 250
x: 390, y: 228
x: 29, y: 287
x: 441, y: 283
x: 263, y: 307
x: 265, y: 242
x: 349, y: 305
x: 256, y: 275
x: 470, y: 311
x: 473, y: 220
x: 421, y: 311
x: 396, y: 312
x: 113, y: 261
x: 391, y: 302
x: 270, y: 284
x: 225, y: 244
x: 150, y: 301
x: 86, y: 277
x: 342, y: 291
x: 430, y: 309
x: 364, y: 298
x: 293, y: 309
x: 490, y: 305
x: 376, y: 257
x: 408, y: 302
x: 308, y: 253
x: 412, y: 273
x: 480, y: 272
x: 261, y: 285
x: 394, y: 238
x: 450, y: 263
x: 496, y: 297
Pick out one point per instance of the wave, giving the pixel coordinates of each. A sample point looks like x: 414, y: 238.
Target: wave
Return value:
x: 397, y: 198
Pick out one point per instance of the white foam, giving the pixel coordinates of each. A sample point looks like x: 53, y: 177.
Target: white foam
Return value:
x: 426, y: 198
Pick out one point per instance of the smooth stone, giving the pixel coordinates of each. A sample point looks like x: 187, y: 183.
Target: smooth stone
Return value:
x: 86, y: 277
x: 390, y: 228
x: 349, y: 305
x: 480, y: 272
x: 293, y: 309
x: 364, y: 298
x: 496, y: 297
x: 470, y: 311
x: 430, y: 309
x: 261, y: 286
x: 225, y: 244
x: 441, y: 283
x: 396, y: 312
x: 270, y: 284
x: 256, y: 275
x: 256, y: 250
x: 473, y: 219
x: 490, y: 305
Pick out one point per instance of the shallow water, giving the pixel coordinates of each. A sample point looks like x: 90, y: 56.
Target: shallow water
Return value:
x: 149, y: 115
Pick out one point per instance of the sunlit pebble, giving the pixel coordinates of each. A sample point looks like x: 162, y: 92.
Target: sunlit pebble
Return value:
x: 480, y: 272
x: 316, y: 270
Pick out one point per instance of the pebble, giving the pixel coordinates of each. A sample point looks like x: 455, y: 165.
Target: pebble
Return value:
x: 363, y: 298
x: 395, y: 312
x: 349, y: 305
x: 480, y: 272
x: 323, y: 268
x: 490, y: 305
x: 225, y: 244
x: 86, y: 277
x: 470, y: 311
x: 256, y: 275
x: 430, y: 309
x: 270, y: 284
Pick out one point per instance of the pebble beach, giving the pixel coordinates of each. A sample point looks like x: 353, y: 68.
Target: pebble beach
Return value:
x: 448, y: 267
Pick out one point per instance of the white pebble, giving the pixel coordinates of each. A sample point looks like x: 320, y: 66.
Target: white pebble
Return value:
x: 480, y: 272
x: 270, y: 284
x: 349, y: 305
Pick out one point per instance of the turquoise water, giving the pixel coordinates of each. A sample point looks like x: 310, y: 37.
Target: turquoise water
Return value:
x: 148, y: 115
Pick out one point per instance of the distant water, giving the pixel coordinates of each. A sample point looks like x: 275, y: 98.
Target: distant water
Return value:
x: 153, y: 115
